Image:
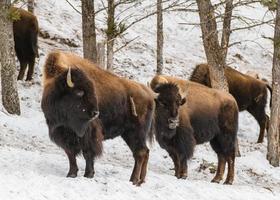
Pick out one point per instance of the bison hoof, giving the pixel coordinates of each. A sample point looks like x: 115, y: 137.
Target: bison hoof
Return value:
x: 71, y: 175
x: 136, y: 182
x: 260, y: 141
x: 184, y: 176
x: 215, y: 181
x: 237, y: 154
x: 228, y: 182
x: 89, y: 174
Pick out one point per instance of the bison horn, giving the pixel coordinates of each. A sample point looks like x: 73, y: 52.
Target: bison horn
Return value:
x: 133, y: 107
x: 69, y: 79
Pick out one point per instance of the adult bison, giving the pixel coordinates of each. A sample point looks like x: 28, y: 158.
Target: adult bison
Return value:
x: 26, y: 38
x: 203, y: 114
x: 250, y: 93
x: 76, y: 92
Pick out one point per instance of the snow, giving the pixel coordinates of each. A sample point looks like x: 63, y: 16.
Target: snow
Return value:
x: 32, y: 167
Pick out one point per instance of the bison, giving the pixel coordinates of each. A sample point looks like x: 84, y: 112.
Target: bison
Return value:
x: 188, y: 114
x: 26, y: 38
x: 250, y: 93
x: 76, y: 92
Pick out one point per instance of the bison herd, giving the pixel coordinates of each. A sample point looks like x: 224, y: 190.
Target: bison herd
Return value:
x: 84, y: 105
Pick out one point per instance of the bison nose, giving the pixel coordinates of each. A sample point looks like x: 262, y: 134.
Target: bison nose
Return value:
x: 94, y: 114
x: 173, y: 120
x: 173, y: 123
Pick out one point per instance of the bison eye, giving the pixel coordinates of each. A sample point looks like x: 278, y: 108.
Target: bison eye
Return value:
x: 79, y: 93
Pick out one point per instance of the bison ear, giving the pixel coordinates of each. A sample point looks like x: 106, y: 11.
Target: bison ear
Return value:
x: 156, y: 88
x: 183, y: 101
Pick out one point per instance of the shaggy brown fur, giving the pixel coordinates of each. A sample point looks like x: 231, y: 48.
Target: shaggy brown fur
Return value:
x: 126, y: 107
x: 26, y: 41
x: 250, y: 93
x: 208, y: 115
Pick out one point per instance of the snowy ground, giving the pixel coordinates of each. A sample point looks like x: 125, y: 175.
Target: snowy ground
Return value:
x: 34, y: 168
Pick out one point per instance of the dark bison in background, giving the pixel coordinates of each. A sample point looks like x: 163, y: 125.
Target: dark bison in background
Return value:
x: 188, y: 114
x: 250, y: 93
x: 26, y: 41
x: 76, y: 92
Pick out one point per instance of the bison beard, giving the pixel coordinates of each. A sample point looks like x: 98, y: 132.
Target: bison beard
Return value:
x: 200, y: 122
x: 26, y: 41
x: 75, y: 90
x: 249, y: 93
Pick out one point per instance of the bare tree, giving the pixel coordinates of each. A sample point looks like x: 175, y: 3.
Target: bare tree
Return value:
x: 273, y: 148
x: 30, y: 6
x: 159, y: 37
x: 215, y: 53
x: 111, y: 31
x: 7, y: 60
x: 89, y: 30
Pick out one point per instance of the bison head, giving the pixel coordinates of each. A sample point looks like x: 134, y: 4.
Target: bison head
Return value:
x: 71, y: 102
x: 168, y: 101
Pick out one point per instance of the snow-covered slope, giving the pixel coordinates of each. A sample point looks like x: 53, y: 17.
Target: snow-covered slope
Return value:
x: 31, y: 167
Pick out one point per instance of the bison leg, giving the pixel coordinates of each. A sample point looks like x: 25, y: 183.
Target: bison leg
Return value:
x: 140, y: 154
x: 258, y: 113
x: 89, y: 170
x: 183, y: 168
x: 23, y: 66
x: 175, y: 158
x: 230, y: 175
x: 144, y: 168
x: 30, y: 69
x: 267, y: 123
x: 221, y: 169
x: 237, y: 150
x: 73, y: 170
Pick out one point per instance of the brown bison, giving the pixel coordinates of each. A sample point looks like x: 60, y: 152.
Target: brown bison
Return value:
x: 26, y: 38
x: 202, y: 115
x: 76, y: 92
x: 250, y: 93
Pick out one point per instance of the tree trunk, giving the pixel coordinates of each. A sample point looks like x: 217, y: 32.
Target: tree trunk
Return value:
x: 111, y: 30
x: 273, y: 148
x: 216, y: 53
x: 211, y: 44
x: 89, y: 30
x: 159, y: 37
x: 7, y: 61
x: 101, y: 55
x: 30, y: 6
x: 226, y: 29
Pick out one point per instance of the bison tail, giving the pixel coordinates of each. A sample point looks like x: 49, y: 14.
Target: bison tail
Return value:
x: 34, y: 43
x: 150, y: 126
x: 270, y: 90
